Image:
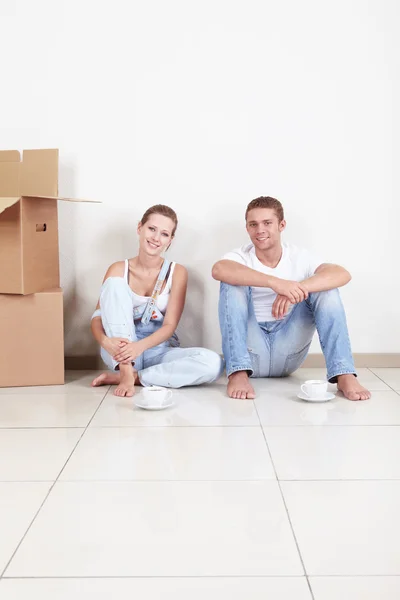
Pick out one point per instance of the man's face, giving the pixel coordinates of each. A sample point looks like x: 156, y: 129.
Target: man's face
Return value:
x: 264, y: 228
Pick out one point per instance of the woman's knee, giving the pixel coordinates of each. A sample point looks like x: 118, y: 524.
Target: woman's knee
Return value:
x: 113, y: 285
x: 212, y: 362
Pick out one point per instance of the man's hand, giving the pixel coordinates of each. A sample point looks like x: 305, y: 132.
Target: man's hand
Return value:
x: 129, y: 352
x: 114, y: 345
x: 280, y: 307
x: 294, y: 291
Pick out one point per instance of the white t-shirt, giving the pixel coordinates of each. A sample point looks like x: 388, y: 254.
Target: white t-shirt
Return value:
x: 296, y: 264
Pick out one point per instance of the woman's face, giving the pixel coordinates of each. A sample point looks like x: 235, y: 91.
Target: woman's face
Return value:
x: 155, y: 235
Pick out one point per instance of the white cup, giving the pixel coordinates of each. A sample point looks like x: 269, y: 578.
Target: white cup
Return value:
x: 315, y: 388
x: 155, y: 396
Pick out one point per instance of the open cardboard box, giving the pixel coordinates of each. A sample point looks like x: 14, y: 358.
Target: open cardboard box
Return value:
x: 28, y: 221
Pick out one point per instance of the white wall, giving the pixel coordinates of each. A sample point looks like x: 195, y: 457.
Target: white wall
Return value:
x: 204, y: 106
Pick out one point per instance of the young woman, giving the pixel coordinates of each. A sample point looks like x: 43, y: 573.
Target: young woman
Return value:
x: 141, y: 303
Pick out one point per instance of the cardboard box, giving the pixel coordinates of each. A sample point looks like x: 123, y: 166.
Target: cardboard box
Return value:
x: 32, y: 339
x: 29, y: 260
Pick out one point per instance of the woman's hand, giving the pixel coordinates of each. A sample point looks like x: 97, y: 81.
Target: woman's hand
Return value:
x: 129, y: 352
x: 114, y: 345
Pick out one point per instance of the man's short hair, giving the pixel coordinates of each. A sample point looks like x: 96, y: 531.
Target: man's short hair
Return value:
x: 266, y: 202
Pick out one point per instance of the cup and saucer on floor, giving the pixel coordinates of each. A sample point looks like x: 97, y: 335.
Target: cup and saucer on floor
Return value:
x: 154, y: 397
x: 315, y: 390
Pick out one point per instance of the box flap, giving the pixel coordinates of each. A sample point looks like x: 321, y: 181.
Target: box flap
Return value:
x: 7, y: 202
x: 62, y: 198
x: 10, y: 156
x: 39, y: 173
x: 9, y: 179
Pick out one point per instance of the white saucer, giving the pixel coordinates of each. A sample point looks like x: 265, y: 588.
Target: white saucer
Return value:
x: 327, y: 396
x: 148, y: 407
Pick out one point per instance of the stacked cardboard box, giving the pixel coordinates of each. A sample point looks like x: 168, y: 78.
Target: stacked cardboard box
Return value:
x: 31, y: 301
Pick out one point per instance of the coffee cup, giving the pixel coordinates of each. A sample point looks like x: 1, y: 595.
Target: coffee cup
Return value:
x: 155, y: 396
x: 315, y: 388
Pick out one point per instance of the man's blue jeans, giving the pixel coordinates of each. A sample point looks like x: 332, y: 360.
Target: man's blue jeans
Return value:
x: 278, y: 348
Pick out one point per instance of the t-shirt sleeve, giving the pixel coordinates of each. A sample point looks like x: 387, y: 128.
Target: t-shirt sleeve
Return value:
x: 235, y: 255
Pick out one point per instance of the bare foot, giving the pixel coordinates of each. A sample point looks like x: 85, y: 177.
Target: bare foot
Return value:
x: 126, y: 386
x: 106, y: 379
x: 351, y: 388
x: 239, y: 386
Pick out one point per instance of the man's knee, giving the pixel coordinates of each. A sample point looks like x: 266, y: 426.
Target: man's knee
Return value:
x: 234, y: 297
x: 241, y: 290
x: 328, y: 298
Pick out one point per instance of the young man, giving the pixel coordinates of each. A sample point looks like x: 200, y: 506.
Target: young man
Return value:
x: 273, y: 296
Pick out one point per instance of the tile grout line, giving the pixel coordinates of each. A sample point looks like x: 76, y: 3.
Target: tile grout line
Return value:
x: 284, y: 504
x: 149, y: 426
x: 30, y: 577
x: 73, y: 577
x: 383, y: 381
x: 51, y: 488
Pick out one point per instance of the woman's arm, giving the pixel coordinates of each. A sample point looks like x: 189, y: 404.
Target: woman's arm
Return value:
x: 172, y: 317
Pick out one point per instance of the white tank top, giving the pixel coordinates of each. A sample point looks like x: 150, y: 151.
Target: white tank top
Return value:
x: 162, y: 300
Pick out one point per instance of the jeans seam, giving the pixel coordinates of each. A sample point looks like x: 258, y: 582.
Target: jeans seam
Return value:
x: 230, y: 339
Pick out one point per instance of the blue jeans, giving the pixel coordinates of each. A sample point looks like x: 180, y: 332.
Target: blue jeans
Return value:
x: 278, y: 348
x: 165, y: 364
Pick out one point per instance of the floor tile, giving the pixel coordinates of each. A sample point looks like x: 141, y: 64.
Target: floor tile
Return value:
x: 346, y: 527
x: 19, y: 503
x: 160, y: 529
x: 48, y: 410
x: 35, y: 454
x: 206, y: 406
x: 75, y: 382
x: 193, y: 588
x: 335, y: 452
x: 283, y: 408
x: 355, y: 588
x: 389, y: 376
x: 293, y: 383
x: 168, y: 453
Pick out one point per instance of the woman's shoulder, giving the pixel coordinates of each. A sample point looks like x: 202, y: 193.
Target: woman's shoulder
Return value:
x: 117, y: 269
x: 180, y: 272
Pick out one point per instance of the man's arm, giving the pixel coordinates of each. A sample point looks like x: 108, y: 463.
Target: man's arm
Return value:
x: 327, y: 277
x: 233, y: 273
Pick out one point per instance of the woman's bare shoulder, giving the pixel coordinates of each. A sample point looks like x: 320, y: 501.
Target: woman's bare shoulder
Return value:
x: 180, y: 272
x: 117, y: 269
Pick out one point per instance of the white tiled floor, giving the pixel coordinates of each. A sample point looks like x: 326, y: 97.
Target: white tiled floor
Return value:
x: 213, y: 498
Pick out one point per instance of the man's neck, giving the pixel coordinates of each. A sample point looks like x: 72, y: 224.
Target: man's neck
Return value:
x: 271, y: 257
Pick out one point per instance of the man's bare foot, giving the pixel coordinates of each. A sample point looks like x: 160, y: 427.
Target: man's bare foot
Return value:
x: 351, y: 388
x: 126, y: 386
x: 239, y: 386
x: 106, y: 379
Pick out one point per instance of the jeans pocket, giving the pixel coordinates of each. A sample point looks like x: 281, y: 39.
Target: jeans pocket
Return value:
x: 295, y: 360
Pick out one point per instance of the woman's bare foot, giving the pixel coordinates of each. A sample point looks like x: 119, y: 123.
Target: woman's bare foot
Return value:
x: 126, y: 386
x: 239, y: 386
x: 106, y: 379
x: 351, y: 388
